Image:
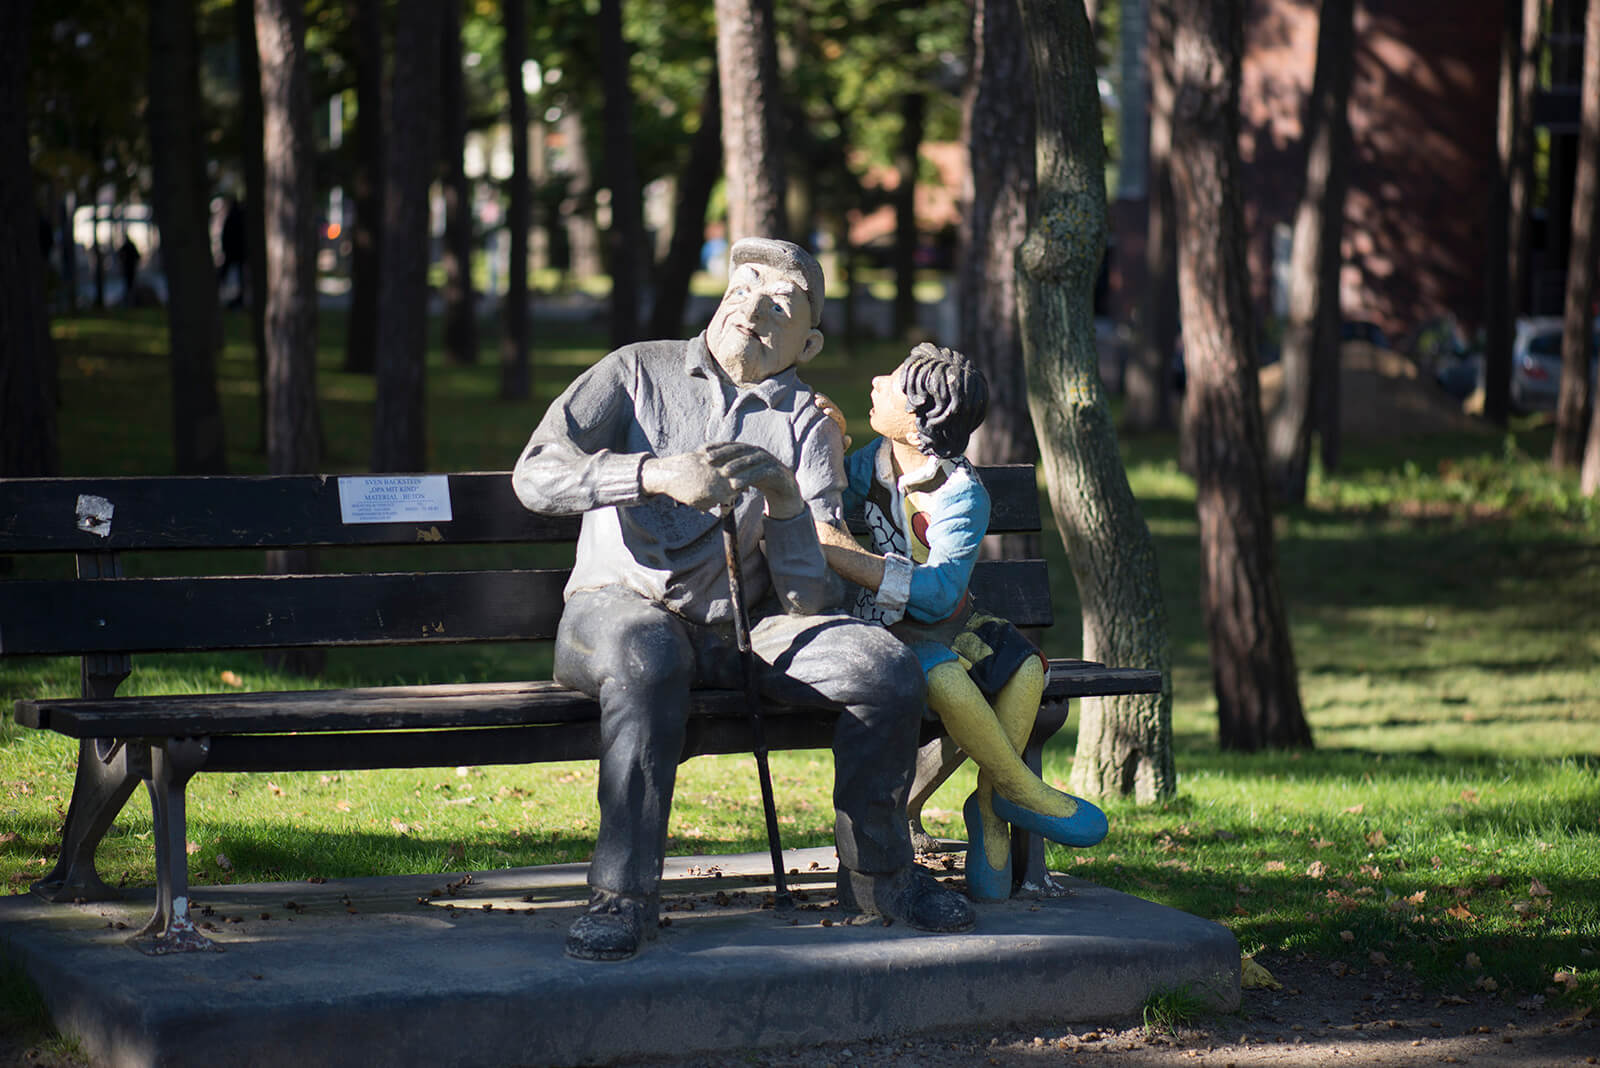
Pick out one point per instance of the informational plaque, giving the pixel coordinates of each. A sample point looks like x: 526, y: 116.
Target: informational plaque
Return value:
x: 395, y: 499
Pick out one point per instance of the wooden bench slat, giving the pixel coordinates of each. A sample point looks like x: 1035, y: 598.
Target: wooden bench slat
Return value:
x: 131, y: 615
x: 293, y: 511
x: 423, y: 707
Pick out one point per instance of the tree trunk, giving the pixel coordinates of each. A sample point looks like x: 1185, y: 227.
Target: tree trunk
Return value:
x: 913, y: 109
x: 752, y: 150
x: 255, y: 180
x: 289, y: 264
x: 1124, y: 744
x: 997, y: 121
x: 626, y: 235
x: 1311, y: 337
x: 1575, y: 398
x: 515, y: 382
x: 28, y: 436
x: 399, y: 433
x: 695, y: 184
x: 577, y: 211
x: 1500, y: 303
x: 1252, y: 660
x: 366, y: 181
x: 182, y: 198
x: 1147, y: 383
x: 460, y: 301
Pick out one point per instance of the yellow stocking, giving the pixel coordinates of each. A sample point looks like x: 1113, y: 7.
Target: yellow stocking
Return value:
x: 978, y: 730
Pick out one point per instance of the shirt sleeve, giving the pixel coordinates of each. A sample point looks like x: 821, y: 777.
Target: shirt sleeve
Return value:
x: 800, y: 573
x: 858, y: 473
x: 571, y: 463
x: 955, y: 532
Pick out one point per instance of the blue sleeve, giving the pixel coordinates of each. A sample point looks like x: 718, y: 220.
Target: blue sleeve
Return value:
x: 858, y: 467
x: 955, y: 531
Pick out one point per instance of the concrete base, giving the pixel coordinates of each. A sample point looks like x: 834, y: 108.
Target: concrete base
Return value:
x: 448, y: 970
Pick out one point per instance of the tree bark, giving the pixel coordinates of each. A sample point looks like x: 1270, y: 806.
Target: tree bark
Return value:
x: 913, y: 110
x: 515, y: 379
x: 288, y: 263
x: 1311, y: 336
x: 1147, y: 384
x: 255, y: 179
x: 399, y: 436
x: 1575, y: 398
x: 695, y: 184
x: 626, y: 235
x: 752, y: 152
x: 182, y: 199
x: 29, y: 443
x: 460, y: 300
x: 1124, y: 744
x: 997, y: 121
x: 366, y: 182
x: 1501, y: 303
x: 1252, y: 659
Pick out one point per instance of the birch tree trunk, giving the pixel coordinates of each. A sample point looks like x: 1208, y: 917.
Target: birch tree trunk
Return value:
x: 752, y: 152
x: 1124, y: 743
x: 1252, y: 660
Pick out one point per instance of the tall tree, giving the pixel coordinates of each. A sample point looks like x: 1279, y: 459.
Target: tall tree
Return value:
x: 288, y: 264
x: 399, y: 433
x: 28, y: 436
x: 695, y: 184
x: 626, y: 235
x: 460, y: 300
x: 182, y: 201
x: 752, y: 147
x: 1125, y: 743
x: 253, y: 157
x: 997, y: 125
x: 913, y: 115
x: 1577, y: 324
x: 1147, y: 385
x: 1311, y: 337
x: 366, y: 182
x: 1252, y: 660
x: 514, y: 374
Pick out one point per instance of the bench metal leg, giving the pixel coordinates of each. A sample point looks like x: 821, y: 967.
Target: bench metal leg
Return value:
x: 107, y: 774
x: 170, y: 929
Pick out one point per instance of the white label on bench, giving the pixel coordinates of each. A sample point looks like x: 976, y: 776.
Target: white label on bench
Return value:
x: 395, y: 499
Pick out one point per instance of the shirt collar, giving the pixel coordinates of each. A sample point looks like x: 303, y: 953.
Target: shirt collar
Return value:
x: 933, y: 469
x: 771, y: 392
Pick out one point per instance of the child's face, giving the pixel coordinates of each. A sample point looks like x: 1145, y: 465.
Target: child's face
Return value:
x: 889, y: 416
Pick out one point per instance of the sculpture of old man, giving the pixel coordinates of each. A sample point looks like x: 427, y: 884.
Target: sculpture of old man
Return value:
x: 645, y: 444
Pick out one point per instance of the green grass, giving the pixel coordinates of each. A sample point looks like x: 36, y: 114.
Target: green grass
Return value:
x: 1444, y: 594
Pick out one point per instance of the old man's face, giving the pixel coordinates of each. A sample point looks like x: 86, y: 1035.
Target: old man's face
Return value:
x: 763, y: 325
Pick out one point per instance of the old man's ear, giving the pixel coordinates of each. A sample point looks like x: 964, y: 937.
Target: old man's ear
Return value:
x: 812, y: 347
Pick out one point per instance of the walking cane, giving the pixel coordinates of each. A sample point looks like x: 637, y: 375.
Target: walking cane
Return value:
x: 752, y: 695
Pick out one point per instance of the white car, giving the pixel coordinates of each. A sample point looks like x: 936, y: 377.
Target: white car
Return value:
x: 1536, y: 362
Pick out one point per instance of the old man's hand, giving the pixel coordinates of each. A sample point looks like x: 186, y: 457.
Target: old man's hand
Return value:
x: 716, y: 474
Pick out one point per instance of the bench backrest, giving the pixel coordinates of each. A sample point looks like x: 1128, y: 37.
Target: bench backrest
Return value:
x: 97, y: 519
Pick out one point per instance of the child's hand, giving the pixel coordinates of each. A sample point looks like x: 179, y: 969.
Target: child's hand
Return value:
x: 831, y: 410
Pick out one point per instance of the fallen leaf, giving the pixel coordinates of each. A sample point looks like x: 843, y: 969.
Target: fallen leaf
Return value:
x: 1376, y: 839
x: 277, y: 791
x: 1253, y: 976
x: 1469, y: 796
x: 191, y: 848
x: 1473, y: 962
x: 1276, y: 865
x: 1522, y: 908
x: 1460, y: 912
x: 1566, y: 979
x: 1317, y: 869
x: 1377, y: 957
x: 1347, y: 936
x: 1454, y: 999
x: 342, y: 806
x: 223, y: 862
x: 1320, y: 843
x: 1356, y: 810
x: 1486, y: 983
x: 1496, y: 881
x: 1418, y: 898
x: 398, y: 826
x: 231, y: 679
x: 1531, y: 1003
x: 1538, y: 889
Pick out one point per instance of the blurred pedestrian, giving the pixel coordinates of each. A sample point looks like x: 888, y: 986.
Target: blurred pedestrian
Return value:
x: 235, y: 251
x: 128, y: 262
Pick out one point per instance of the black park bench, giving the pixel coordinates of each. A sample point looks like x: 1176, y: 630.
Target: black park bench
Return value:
x: 96, y: 612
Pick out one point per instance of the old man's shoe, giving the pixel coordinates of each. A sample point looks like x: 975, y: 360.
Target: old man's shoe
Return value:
x: 613, y: 928
x: 910, y: 895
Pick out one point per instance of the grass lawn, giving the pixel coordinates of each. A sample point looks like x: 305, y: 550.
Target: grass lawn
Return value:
x: 1445, y: 599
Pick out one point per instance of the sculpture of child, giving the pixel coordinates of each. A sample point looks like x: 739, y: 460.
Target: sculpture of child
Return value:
x: 927, y: 513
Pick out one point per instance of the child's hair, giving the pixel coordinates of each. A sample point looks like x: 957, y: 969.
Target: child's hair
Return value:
x: 947, y: 396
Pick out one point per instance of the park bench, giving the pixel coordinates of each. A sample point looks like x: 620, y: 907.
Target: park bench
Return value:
x: 99, y: 613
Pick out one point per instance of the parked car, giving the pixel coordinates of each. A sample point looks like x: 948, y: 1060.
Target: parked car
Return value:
x: 1536, y: 362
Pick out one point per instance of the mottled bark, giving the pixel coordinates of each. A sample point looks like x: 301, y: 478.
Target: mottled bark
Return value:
x: 1147, y: 383
x: 695, y: 183
x: 399, y: 433
x: 288, y: 263
x: 182, y: 198
x: 1124, y: 744
x: 1575, y: 399
x: 1311, y: 336
x: 997, y: 122
x: 1500, y: 301
x: 366, y: 189
x: 515, y: 379
x: 913, y: 110
x: 460, y: 300
x: 1252, y: 660
x: 752, y: 148
x: 625, y: 238
x: 28, y: 434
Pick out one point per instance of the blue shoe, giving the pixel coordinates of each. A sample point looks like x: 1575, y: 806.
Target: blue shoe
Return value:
x: 1085, y: 827
x: 983, y: 882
